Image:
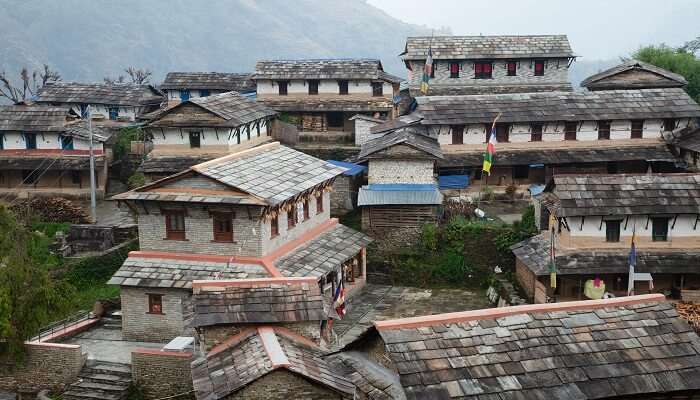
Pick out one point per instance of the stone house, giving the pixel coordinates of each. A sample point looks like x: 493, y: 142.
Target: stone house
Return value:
x: 261, y: 212
x: 346, y: 186
x: 620, y: 348
x: 402, y: 192
x: 593, y: 219
x: 182, y: 86
x: 687, y: 145
x: 204, y: 128
x: 322, y: 95
x: 45, y: 151
x: 465, y: 65
x: 634, y: 74
x: 121, y: 102
x: 542, y: 134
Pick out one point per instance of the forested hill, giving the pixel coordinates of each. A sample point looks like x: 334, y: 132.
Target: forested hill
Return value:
x: 89, y: 39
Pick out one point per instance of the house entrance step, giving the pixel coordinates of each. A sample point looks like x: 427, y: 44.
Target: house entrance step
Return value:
x: 100, y: 380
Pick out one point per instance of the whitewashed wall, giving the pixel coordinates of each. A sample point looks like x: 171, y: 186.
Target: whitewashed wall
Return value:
x: 46, y: 141
x: 268, y: 87
x: 101, y: 110
x: 174, y: 94
x: 208, y: 136
x: 592, y: 227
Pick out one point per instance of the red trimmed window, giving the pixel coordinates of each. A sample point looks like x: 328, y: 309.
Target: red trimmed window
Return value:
x: 483, y: 69
x: 539, y: 68
x: 454, y: 70
x: 274, y: 227
x: 637, y: 128
x: 223, y: 227
x: 155, y: 304
x: 174, y: 225
x: 511, y: 68
x: 603, y: 130
x: 319, y: 204
x: 536, y: 132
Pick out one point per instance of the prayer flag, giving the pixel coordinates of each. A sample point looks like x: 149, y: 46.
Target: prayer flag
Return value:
x: 490, y: 148
x: 427, y: 72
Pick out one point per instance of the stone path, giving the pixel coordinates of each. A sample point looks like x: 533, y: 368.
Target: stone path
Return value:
x: 106, y: 344
x: 100, y: 381
x: 379, y: 302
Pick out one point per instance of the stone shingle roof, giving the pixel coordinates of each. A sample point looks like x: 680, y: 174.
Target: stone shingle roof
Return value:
x: 165, y: 272
x: 553, y: 156
x: 690, y: 140
x: 350, y: 68
x: 625, y: 194
x: 403, y: 136
x: 577, y: 350
x: 34, y: 118
x: 312, y: 103
x: 600, y: 80
x: 50, y: 161
x: 534, y: 253
x: 240, y: 82
x: 487, y: 47
x: 80, y: 129
x: 324, y: 253
x: 255, y: 353
x: 259, y: 301
x: 123, y: 94
x: 171, y: 164
x: 271, y: 172
x: 558, y: 106
x: 371, y: 379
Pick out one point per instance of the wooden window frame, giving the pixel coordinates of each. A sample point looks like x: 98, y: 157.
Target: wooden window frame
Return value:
x: 185, y: 95
x: 612, y: 235
x: 568, y: 132
x: 319, y: 204
x: 191, y: 135
x: 204, y: 93
x: 283, y: 88
x: 604, y: 130
x: 219, y: 235
x: 292, y: 218
x: 669, y: 121
x: 536, y: 131
x: 343, y: 87
x: 454, y: 69
x: 637, y: 132
x: 534, y: 68
x: 480, y: 70
x: 656, y: 236
x: 27, y: 141
x: 511, y: 71
x: 174, y: 234
x: 377, y: 89
x: 116, y: 113
x: 274, y: 226
x: 155, y: 306
x: 307, y: 215
x: 313, y: 87
x: 457, y: 133
x: 76, y: 178
x: 67, y: 142
x: 505, y: 128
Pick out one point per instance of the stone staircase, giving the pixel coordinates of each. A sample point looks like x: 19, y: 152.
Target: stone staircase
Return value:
x: 99, y: 380
x: 111, y: 321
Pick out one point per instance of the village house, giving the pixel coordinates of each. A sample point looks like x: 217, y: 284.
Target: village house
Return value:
x: 593, y: 219
x: 687, y: 145
x: 45, y: 151
x: 464, y: 65
x: 402, y: 192
x: 121, y: 102
x: 322, y: 95
x: 259, y: 213
x: 625, y: 348
x: 542, y: 134
x: 634, y: 74
x: 204, y: 128
x: 182, y: 86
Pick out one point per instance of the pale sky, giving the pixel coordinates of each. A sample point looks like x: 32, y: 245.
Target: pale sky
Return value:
x: 597, y: 29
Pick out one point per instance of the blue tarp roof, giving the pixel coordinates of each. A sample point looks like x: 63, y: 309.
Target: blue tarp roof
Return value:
x: 401, y: 187
x: 352, y: 169
x: 453, y: 181
x: 368, y: 197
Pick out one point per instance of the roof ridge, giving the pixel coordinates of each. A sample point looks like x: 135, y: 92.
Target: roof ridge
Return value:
x: 244, y: 153
x: 272, y: 347
x: 495, y: 313
x: 220, y: 284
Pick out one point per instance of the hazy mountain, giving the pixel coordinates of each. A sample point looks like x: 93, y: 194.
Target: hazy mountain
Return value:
x: 87, y: 39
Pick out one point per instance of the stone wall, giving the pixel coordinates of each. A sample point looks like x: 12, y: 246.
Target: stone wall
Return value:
x: 526, y: 279
x: 46, y: 366
x: 284, y: 385
x: 140, y: 325
x: 344, y: 194
x: 401, y: 171
x: 162, y: 373
x: 211, y: 336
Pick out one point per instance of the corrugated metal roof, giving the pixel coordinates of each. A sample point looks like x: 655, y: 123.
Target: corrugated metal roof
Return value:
x: 411, y: 187
x: 453, y: 181
x: 352, y: 169
x: 368, y: 197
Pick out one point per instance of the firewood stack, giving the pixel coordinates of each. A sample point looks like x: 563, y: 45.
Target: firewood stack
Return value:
x: 691, y: 313
x: 51, y: 209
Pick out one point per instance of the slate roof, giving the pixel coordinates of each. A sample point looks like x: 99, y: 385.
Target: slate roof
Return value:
x: 403, y: 136
x: 123, y: 94
x: 598, y: 81
x: 234, y: 109
x: 622, y: 194
x: 34, y: 118
x: 240, y: 82
x: 507, y: 157
x: 401, y: 196
x: 50, y: 161
x: 259, y: 302
x: 170, y: 164
x: 558, y: 106
x: 577, y: 350
x: 312, y: 103
x: 271, y: 172
x: 255, y: 353
x: 370, y: 378
x: 397, y: 123
x: 534, y: 253
x: 141, y: 271
x: 324, y: 253
x: 80, y: 129
x: 690, y: 140
x: 489, y: 47
x: 349, y: 68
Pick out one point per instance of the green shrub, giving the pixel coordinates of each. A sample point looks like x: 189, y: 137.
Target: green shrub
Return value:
x: 136, y: 180
x: 122, y: 145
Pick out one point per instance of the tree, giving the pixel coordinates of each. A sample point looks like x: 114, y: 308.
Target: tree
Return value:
x: 29, y: 298
x: 30, y: 83
x: 679, y: 60
x: 136, y: 75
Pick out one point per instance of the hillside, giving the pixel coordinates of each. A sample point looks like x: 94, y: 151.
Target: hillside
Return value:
x: 86, y: 40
